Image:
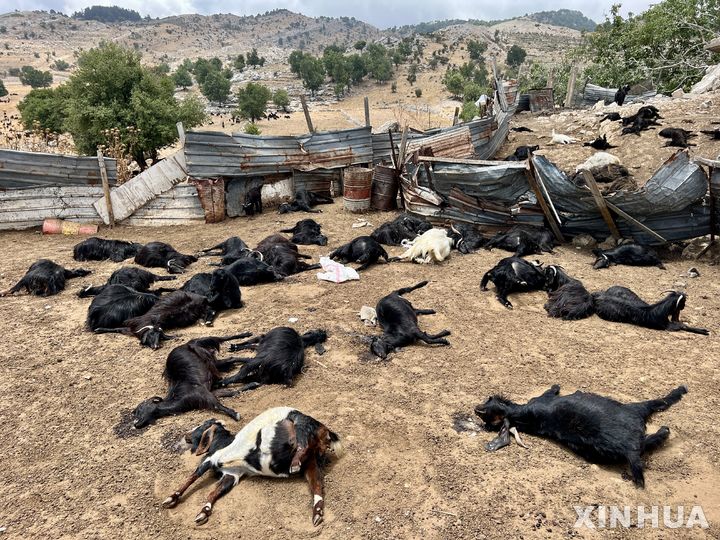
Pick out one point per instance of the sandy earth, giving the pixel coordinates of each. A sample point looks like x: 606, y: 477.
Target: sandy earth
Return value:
x: 75, y: 469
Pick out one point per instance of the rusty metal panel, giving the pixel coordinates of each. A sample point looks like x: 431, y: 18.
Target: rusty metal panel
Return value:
x: 541, y: 99
x: 35, y: 169
x: 322, y: 181
x: 455, y: 143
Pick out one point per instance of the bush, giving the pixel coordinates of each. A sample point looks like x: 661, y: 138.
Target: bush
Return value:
x: 252, y: 129
x: 281, y: 99
x: 61, y: 65
x: 35, y: 78
x: 393, y: 87
x: 3, y: 90
x: 418, y: 92
x: 469, y: 111
x: 515, y: 56
x: 216, y: 87
x: 182, y: 77
x: 45, y: 106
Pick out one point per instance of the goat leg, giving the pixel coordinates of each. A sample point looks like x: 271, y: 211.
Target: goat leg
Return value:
x: 226, y: 483
x: 173, y: 499
x: 314, y: 476
x: 502, y: 440
x: 425, y: 312
x: 678, y: 327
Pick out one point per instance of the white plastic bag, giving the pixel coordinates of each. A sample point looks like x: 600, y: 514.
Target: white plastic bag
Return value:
x: 336, y: 272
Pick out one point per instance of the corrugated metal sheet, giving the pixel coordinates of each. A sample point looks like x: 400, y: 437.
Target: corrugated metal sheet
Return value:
x: 381, y: 145
x: 26, y: 208
x: 143, y: 188
x: 455, y: 143
x: 326, y: 182
x: 36, y: 169
x: 504, y: 182
x: 177, y: 206
x: 541, y: 99
x: 523, y: 103
x: 213, y: 154
x: 594, y: 93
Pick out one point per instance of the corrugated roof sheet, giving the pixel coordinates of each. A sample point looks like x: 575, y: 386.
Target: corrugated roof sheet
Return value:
x: 593, y: 93
x: 35, y: 169
x: 214, y: 154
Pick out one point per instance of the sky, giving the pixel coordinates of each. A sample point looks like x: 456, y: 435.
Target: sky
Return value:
x: 380, y: 13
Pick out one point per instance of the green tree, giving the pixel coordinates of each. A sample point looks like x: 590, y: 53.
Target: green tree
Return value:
x: 356, y: 65
x: 454, y: 82
x: 35, y: 78
x: 216, y: 87
x: 312, y: 73
x: 418, y: 92
x: 252, y: 101
x: 239, y: 62
x: 252, y: 129
x: 476, y: 49
x: 162, y: 69
x: 360, y: 45
x: 112, y: 89
x: 515, y: 56
x: 378, y: 62
x: 46, y: 106
x: 281, y: 99
x: 61, y: 65
x: 469, y: 111
x: 412, y: 73
x: 182, y: 77
x: 201, y: 68
x: 253, y: 59
x: 472, y: 91
x: 294, y: 60
x: 3, y: 90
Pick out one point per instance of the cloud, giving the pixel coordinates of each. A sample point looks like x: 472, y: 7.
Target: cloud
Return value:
x: 380, y: 13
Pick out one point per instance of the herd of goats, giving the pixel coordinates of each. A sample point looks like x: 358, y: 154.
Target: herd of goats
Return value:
x: 283, y: 441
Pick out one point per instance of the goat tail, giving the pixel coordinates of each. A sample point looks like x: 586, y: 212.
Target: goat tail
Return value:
x: 290, y: 230
x: 313, y: 337
x: 406, y: 290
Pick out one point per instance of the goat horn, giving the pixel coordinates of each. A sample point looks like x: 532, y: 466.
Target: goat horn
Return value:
x: 518, y: 440
x: 452, y: 228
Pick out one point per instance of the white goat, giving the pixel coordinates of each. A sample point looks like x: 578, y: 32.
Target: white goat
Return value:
x: 431, y: 246
x: 559, y: 138
x: 598, y: 160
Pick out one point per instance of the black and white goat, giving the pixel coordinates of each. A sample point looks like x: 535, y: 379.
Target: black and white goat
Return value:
x: 465, y: 238
x: 279, y: 357
x: 45, y: 278
x: 307, y: 232
x: 597, y: 428
x: 130, y: 276
x: 403, y: 227
x: 277, y: 443
x: 102, y: 249
x: 523, y: 241
x: 116, y: 304
x: 364, y: 250
x: 399, y: 322
x: 221, y: 288
x: 176, y: 310
x: 627, y: 254
x: 513, y: 274
x: 161, y: 255
x: 620, y: 304
x: 192, y: 372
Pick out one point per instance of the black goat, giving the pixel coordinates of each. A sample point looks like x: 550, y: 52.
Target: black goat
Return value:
x: 101, y: 249
x: 283, y: 255
x: 648, y: 112
x: 712, y: 133
x: 513, y: 274
x: 639, y: 124
x: 621, y: 93
x: 613, y: 117
x: 234, y: 244
x: 307, y: 232
x: 252, y: 271
x: 304, y: 201
x: 568, y: 299
x: 403, y: 227
x: 253, y: 201
x: 115, y: 304
x: 161, y: 255
x: 363, y: 249
x: 176, y: 310
x: 620, y: 304
x: 398, y: 319
x: 221, y: 288
x: 522, y: 152
x: 597, y: 428
x: 135, y: 278
x: 523, y: 241
x: 279, y: 357
x: 627, y: 254
x: 278, y: 443
x: 678, y: 137
x: 521, y: 129
x: 45, y: 278
x: 192, y: 372
x: 465, y: 238
x: 601, y: 143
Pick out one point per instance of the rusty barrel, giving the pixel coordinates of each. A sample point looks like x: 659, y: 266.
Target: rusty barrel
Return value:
x: 356, y: 189
x: 59, y: 226
x: 384, y: 188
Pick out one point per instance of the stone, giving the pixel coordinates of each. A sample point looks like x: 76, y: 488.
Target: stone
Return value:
x: 584, y: 241
x: 608, y: 243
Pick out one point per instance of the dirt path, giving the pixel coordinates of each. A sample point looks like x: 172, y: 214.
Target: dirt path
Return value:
x: 73, y: 470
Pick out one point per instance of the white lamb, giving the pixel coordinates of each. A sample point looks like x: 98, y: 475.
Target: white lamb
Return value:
x: 431, y: 246
x: 559, y: 138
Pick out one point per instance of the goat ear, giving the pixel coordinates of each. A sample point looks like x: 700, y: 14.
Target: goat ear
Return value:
x: 206, y: 440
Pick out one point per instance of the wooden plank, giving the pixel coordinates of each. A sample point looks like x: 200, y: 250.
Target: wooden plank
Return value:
x: 634, y: 221
x: 600, y: 201
x: 570, y: 88
x: 307, y: 114
x: 456, y: 116
x: 544, y: 205
x: 106, y: 188
x: 181, y: 133
x: 367, y: 111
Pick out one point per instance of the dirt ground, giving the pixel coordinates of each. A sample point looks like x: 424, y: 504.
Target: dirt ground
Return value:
x: 76, y: 469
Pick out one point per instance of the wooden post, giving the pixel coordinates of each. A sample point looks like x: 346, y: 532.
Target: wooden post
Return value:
x: 570, y: 88
x: 543, y: 204
x: 106, y: 188
x: 307, y: 114
x: 600, y: 201
x: 393, y: 158
x: 713, y: 215
x: 551, y: 78
x: 456, y: 115
x: 403, y: 148
x: 634, y: 221
x: 367, y: 112
x: 181, y: 133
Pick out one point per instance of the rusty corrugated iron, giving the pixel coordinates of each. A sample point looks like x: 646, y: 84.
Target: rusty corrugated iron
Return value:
x: 35, y: 169
x: 451, y: 143
x: 541, y: 99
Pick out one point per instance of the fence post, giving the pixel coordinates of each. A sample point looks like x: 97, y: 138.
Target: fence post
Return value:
x: 106, y: 188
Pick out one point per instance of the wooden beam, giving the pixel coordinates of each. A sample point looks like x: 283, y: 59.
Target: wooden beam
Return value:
x: 543, y: 204
x: 367, y: 112
x: 600, y: 201
x: 181, y: 133
x: 307, y: 114
x: 570, y: 88
x: 456, y: 115
x: 106, y: 188
x: 713, y: 211
x: 634, y: 221
x: 393, y: 157
x: 551, y: 78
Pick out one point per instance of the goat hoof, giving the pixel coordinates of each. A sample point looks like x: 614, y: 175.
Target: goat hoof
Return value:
x: 294, y: 469
x: 203, y: 516
x: 170, y: 502
x: 317, y: 520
